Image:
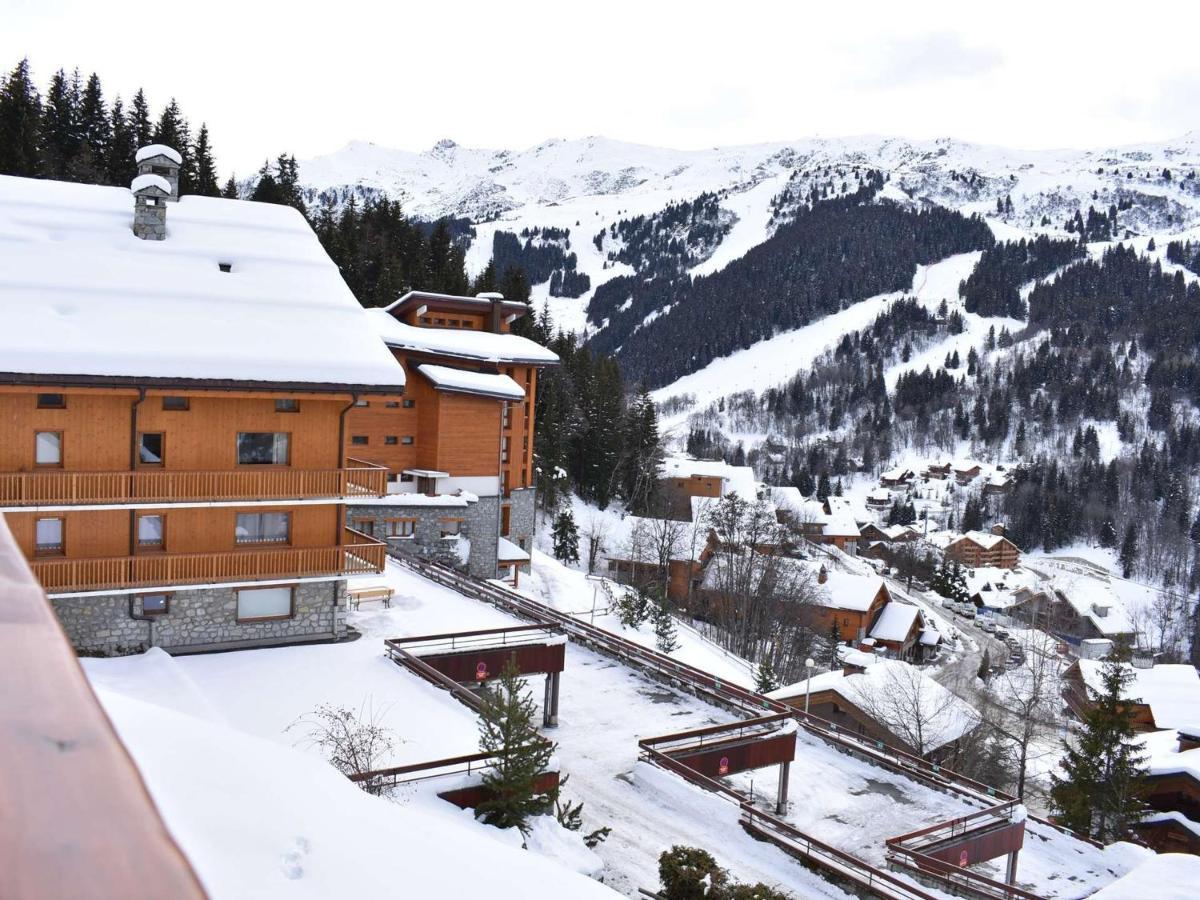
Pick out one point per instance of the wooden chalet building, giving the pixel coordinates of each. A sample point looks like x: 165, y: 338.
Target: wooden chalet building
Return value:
x: 176, y: 376
x: 1160, y: 696
x: 853, y: 602
x: 977, y: 549
x: 458, y: 446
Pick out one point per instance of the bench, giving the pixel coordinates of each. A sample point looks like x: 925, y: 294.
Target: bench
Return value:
x: 359, y: 595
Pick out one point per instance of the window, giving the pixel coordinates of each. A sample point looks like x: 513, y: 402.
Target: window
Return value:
x: 401, y: 528
x: 262, y: 448
x: 156, y: 604
x: 407, y: 439
x: 392, y: 404
x: 48, y: 448
x: 507, y: 414
x: 175, y: 403
x: 406, y: 477
x: 263, y: 528
x: 359, y: 440
x: 362, y: 402
x: 51, y: 401
x: 287, y: 406
x: 225, y: 267
x: 150, y: 448
x: 49, y: 536
x: 451, y: 527
x: 409, y: 404
x: 264, y: 603
x: 160, y: 170
x: 504, y: 449
x: 150, y: 532
x: 391, y: 439
x: 366, y: 526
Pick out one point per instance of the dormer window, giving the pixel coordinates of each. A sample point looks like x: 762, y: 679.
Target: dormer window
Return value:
x: 150, y: 201
x: 225, y: 267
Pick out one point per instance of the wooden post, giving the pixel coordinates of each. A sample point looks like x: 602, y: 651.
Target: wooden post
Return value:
x: 547, y: 702
x: 781, y: 799
x: 1011, y: 875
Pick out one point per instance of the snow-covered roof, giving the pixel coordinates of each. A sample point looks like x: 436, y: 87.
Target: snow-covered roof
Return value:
x: 483, y: 384
x: 1164, y: 876
x: 896, y: 474
x: 847, y: 590
x: 984, y: 539
x: 82, y: 298
x: 1172, y: 691
x: 150, y: 180
x: 151, y: 150
x: 507, y: 551
x: 880, y: 495
x: 895, y: 622
x: 739, y: 480
x: 460, y: 343
x: 894, y: 688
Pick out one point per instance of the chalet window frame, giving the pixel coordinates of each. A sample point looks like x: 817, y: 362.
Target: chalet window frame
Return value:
x: 408, y: 440
x: 44, y: 401
x: 287, y: 405
x: 57, y: 464
x: 364, y: 525
x: 287, y: 441
x: 444, y: 530
x: 167, y: 596
x: 391, y: 440
x: 176, y: 403
x: 404, y: 529
x: 145, y: 546
x: 255, y: 539
x: 249, y: 620
x: 162, y: 449
x: 360, y: 440
x: 59, y: 549
x: 391, y: 404
x: 408, y: 403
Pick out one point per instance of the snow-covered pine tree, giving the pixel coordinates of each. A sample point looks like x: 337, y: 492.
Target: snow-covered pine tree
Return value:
x: 20, y: 123
x: 206, y: 167
x: 666, y: 638
x: 765, y: 680
x: 1099, y: 790
x: 565, y: 535
x: 506, y: 730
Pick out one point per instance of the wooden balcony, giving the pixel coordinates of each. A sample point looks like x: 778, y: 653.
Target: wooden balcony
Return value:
x: 76, y: 820
x: 358, y: 555
x: 59, y: 488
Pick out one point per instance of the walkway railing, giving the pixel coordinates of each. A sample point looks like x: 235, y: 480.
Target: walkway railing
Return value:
x: 59, y: 488
x: 483, y: 639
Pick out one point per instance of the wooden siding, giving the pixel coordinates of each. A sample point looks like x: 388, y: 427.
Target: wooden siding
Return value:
x: 468, y: 436
x: 741, y: 755
x: 469, y: 665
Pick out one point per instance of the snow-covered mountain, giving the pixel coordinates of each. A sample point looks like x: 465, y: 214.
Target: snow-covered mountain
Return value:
x: 587, y: 185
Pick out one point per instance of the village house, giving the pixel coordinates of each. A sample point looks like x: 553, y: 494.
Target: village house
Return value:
x: 889, y: 701
x: 683, y: 480
x: 458, y: 446
x: 897, y: 478
x: 966, y: 472
x: 939, y: 471
x: 851, y: 601
x: 902, y: 630
x: 831, y: 522
x: 1081, y: 615
x: 1160, y: 696
x: 175, y: 378
x: 977, y: 549
x: 879, y: 500
x: 1171, y: 788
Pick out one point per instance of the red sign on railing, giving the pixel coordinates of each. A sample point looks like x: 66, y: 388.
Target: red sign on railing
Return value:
x: 481, y: 671
x: 723, y: 766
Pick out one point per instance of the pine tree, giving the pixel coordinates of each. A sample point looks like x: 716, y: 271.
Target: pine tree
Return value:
x: 835, y: 643
x: 206, y: 169
x: 506, y: 732
x: 60, y: 131
x: 765, y: 680
x: 1129, y: 550
x: 139, y: 121
x: 823, y: 487
x: 230, y: 191
x: 1099, y: 792
x: 96, y: 130
x: 566, y: 537
x: 121, y: 167
x: 20, y: 124
x: 666, y: 638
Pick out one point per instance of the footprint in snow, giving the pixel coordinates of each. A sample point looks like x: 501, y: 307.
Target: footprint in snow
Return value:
x: 291, y: 861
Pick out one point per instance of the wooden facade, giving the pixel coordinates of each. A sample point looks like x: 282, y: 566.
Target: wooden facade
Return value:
x: 1003, y: 554
x: 852, y: 622
x: 155, y: 487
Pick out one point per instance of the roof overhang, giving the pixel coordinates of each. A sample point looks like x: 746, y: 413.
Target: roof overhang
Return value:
x: 511, y: 308
x: 195, y: 384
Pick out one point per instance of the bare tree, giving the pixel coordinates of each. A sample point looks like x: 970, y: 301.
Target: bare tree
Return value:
x: 912, y: 706
x: 595, y: 533
x: 355, y: 743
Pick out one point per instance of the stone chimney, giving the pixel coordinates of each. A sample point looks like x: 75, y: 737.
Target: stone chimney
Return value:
x: 822, y: 575
x: 496, y: 312
x: 159, y: 159
x: 1142, y: 658
x: 150, y: 195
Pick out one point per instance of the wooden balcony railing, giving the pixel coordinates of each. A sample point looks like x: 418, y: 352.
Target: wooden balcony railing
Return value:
x: 358, y: 555
x: 76, y: 820
x: 49, y: 488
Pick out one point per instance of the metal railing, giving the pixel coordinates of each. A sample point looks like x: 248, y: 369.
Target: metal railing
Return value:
x: 483, y: 639
x: 358, y: 555
x: 61, y: 488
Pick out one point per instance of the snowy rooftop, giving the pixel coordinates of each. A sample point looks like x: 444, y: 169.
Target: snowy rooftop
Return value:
x: 1171, y: 691
x: 463, y: 382
x: 839, y: 523
x: 507, y: 551
x: 895, y: 622
x: 1165, y: 876
x: 459, y: 343
x: 847, y: 590
x: 984, y: 539
x: 891, y: 687
x: 152, y: 150
x: 82, y: 297
x: 740, y: 480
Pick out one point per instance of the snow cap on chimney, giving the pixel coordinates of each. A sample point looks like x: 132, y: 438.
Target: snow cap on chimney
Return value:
x: 159, y: 159
x: 150, y: 194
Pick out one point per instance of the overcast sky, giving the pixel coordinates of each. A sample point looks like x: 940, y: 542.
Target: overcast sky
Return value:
x: 307, y: 78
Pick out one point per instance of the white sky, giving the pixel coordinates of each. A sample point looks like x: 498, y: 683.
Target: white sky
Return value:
x: 309, y: 77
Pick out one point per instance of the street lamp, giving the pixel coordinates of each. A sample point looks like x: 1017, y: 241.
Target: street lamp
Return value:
x: 808, y: 664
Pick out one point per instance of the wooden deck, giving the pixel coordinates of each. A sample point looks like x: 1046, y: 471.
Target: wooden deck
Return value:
x: 61, y: 488
x: 75, y: 818
x: 358, y: 555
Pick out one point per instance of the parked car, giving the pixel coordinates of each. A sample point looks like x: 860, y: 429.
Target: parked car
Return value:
x: 1001, y: 634
x: 969, y: 611
x: 987, y: 625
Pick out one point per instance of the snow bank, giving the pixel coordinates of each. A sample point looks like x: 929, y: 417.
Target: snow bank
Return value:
x: 483, y: 383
